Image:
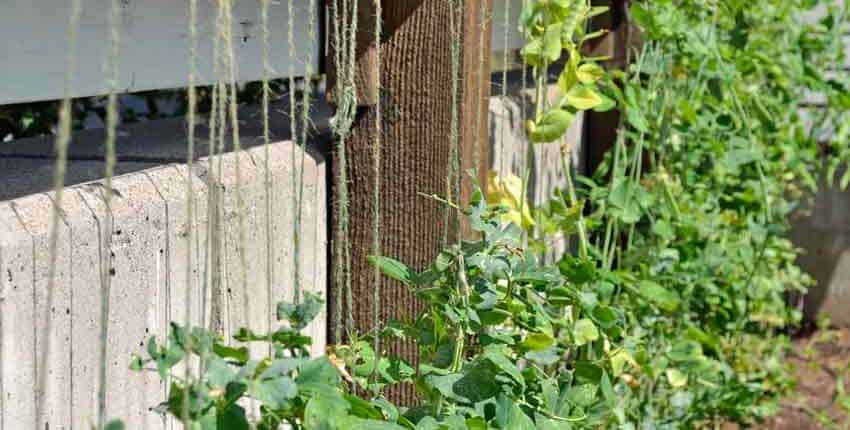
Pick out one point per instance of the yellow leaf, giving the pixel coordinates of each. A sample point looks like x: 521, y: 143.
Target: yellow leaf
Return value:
x: 676, y: 378
x: 589, y: 73
x: 619, y: 360
x: 507, y: 190
x: 583, y: 98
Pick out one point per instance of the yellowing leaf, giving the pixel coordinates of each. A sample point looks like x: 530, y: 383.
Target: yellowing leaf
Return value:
x: 589, y: 73
x: 507, y: 190
x: 583, y: 98
x: 569, y: 76
x: 676, y: 378
x: 619, y: 360
x: 585, y: 331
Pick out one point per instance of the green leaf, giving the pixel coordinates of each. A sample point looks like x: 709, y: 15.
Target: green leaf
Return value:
x: 583, y: 97
x: 115, y: 425
x: 537, y: 341
x: 393, y: 269
x: 605, y: 316
x: 302, y: 314
x: 232, y: 418
x: 676, y: 378
x: 589, y: 73
x: 582, y: 395
x: 317, y: 375
x: 274, y: 392
x: 685, y: 351
x: 663, y: 298
x: 607, y: 104
x: 551, y: 126
x: 239, y: 355
x: 497, y: 356
x: 584, y: 332
x: 509, y: 416
x: 552, y: 43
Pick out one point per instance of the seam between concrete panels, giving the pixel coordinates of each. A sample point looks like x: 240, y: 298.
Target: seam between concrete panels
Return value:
x: 166, y: 255
x: 35, y: 360
x: 64, y: 218
x: 100, y: 260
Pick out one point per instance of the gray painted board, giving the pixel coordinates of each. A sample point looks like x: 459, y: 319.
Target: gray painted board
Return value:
x: 154, y: 45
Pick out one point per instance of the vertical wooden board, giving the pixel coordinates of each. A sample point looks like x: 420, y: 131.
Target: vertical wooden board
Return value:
x: 416, y: 94
x: 51, y: 310
x: 137, y: 302
x: 37, y: 31
x: 475, y: 95
x: 17, y: 323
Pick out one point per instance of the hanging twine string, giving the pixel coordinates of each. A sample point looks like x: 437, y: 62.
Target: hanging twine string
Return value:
x: 106, y: 255
x: 480, y: 91
x: 190, y: 187
x: 293, y: 127
x: 504, y: 90
x: 376, y: 202
x: 453, y: 177
x: 63, y: 137
x: 344, y: 39
x: 231, y: 68
x: 303, y: 134
x: 267, y: 178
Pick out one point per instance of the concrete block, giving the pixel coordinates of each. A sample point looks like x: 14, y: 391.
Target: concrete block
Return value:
x: 18, y: 352
x: 52, y: 308
x: 137, y: 291
x: 248, y: 295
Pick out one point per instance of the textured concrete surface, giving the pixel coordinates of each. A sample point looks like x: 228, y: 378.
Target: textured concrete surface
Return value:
x: 150, y: 281
x: 26, y: 165
x: 511, y: 152
x: 824, y: 236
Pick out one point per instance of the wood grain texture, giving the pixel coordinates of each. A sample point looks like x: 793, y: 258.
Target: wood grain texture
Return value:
x: 416, y: 98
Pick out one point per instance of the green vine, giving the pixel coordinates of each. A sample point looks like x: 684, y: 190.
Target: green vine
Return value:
x: 673, y: 312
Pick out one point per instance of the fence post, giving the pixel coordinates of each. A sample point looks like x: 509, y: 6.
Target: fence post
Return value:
x: 416, y: 97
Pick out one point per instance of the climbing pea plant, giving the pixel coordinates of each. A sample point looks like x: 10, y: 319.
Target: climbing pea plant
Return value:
x: 690, y: 211
x: 672, y: 314
x: 551, y: 28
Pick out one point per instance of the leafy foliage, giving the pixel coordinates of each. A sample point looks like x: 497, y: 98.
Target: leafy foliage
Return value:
x: 670, y: 316
x: 689, y: 214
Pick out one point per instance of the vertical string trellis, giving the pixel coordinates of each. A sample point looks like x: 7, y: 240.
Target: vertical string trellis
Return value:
x: 61, y: 142
x: 190, y: 186
x: 293, y: 126
x: 376, y: 160
x: 299, y: 126
x: 267, y: 178
x: 453, y: 175
x: 231, y: 78
x: 106, y: 255
x: 345, y: 96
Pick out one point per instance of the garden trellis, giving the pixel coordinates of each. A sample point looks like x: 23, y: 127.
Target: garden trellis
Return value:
x: 106, y: 47
x: 671, y: 312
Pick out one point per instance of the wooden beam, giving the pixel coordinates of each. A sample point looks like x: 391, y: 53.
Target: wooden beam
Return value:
x: 416, y: 98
